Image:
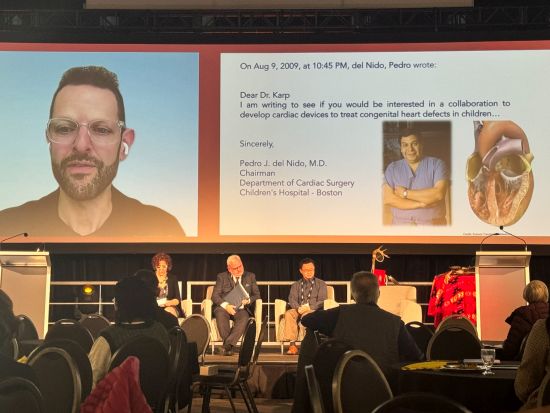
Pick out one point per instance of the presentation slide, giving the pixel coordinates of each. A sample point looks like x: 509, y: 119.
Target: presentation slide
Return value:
x: 424, y: 143
x: 356, y: 143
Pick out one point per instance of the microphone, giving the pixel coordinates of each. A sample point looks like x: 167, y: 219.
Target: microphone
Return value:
x: 515, y: 236
x: 494, y: 234
x: 25, y: 234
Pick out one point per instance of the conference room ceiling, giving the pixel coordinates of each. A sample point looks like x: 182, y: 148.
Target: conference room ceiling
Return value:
x: 272, y: 4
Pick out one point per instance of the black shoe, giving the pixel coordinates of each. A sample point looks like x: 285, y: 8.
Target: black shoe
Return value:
x: 228, y: 350
x: 223, y: 351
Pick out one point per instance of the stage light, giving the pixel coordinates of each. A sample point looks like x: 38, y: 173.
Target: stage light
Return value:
x: 88, y: 290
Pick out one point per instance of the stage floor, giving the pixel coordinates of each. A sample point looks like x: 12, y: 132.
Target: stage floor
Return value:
x: 274, y: 376
x: 223, y: 405
x: 269, y: 356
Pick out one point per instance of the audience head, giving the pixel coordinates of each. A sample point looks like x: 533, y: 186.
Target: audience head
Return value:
x: 364, y: 287
x: 535, y: 292
x: 149, y: 279
x: 8, y: 322
x: 134, y: 301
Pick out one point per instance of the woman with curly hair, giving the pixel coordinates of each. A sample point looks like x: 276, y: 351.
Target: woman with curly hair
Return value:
x: 168, y: 295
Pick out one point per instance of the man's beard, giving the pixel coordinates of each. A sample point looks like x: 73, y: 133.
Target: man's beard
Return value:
x: 84, y: 192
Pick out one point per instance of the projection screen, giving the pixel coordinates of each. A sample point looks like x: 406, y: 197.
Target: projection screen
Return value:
x: 348, y: 143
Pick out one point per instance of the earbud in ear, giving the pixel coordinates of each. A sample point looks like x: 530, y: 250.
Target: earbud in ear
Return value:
x: 126, y: 148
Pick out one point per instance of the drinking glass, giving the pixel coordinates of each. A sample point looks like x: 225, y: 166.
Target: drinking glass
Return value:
x: 488, y: 358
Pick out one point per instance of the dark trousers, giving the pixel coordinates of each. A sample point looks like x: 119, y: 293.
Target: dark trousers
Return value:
x: 230, y: 335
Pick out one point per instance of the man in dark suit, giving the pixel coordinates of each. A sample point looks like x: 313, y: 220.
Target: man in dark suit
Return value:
x: 306, y: 295
x: 225, y: 283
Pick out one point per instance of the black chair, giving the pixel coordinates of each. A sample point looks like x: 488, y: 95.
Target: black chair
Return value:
x: 421, y: 334
x: 197, y: 330
x: 178, y: 365
x: 315, y: 397
x: 358, y: 384
x: 26, y: 335
x: 543, y: 397
x: 95, y: 323
x: 20, y: 395
x: 325, y: 360
x: 420, y: 403
x: 10, y: 349
x: 257, y: 350
x: 237, y: 380
x: 453, y: 343
x: 80, y: 359
x: 67, y: 329
x: 59, y: 379
x: 459, y: 321
x: 154, y: 367
x: 25, y: 328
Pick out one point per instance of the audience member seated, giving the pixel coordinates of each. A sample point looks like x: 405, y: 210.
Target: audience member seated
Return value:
x: 8, y: 323
x: 535, y: 364
x: 305, y: 296
x: 522, y: 318
x: 367, y: 327
x: 166, y: 318
x: 135, y: 310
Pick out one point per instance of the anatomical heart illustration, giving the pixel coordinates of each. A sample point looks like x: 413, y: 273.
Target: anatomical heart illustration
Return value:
x: 499, y: 174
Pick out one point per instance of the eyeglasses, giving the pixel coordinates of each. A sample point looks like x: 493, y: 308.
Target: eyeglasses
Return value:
x: 102, y: 132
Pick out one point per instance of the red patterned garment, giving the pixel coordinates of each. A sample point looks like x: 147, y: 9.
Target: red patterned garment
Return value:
x: 452, y: 294
x: 118, y: 392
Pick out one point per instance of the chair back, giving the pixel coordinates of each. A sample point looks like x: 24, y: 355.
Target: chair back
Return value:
x: 10, y: 349
x: 178, y: 363
x: 421, y: 334
x: 20, y: 395
x: 315, y: 398
x: 330, y: 292
x: 197, y: 330
x: 58, y: 378
x: 261, y: 338
x: 358, y: 384
x: 325, y: 360
x: 391, y: 297
x: 543, y: 397
x: 177, y: 342
x: 25, y: 328
x: 67, y: 329
x: 247, y: 345
x: 95, y: 323
x: 80, y: 358
x: 154, y: 367
x: 420, y: 403
x: 453, y: 343
x: 457, y: 321
x: 209, y: 291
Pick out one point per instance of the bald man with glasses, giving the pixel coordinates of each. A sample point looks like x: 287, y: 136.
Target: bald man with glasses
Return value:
x: 88, y: 138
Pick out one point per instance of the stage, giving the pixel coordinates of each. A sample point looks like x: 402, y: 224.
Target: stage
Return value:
x: 273, y: 377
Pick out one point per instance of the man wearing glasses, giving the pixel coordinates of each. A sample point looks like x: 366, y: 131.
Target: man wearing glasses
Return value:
x: 306, y: 295
x: 87, y: 138
x: 234, y: 279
